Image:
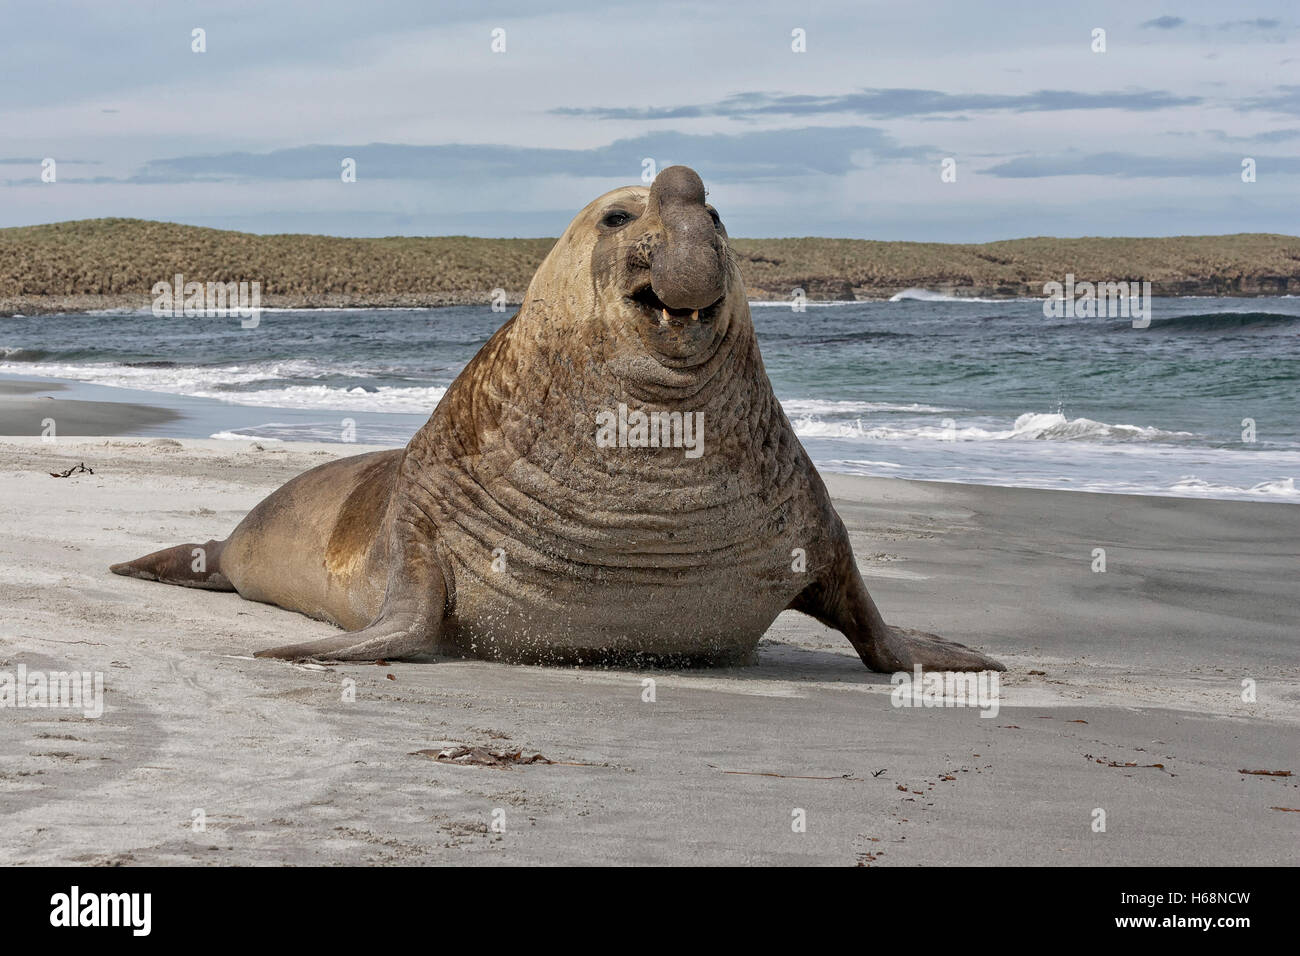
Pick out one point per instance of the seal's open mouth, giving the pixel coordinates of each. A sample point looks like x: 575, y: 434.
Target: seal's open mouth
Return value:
x: 646, y: 300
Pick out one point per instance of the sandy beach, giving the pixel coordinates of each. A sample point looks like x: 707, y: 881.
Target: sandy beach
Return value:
x: 1123, y: 693
x: 26, y: 406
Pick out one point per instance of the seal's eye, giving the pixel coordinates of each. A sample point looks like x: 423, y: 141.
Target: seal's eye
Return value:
x: 616, y: 218
x: 713, y: 214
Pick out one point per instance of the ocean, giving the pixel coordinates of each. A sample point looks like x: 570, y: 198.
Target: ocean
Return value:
x: 1203, y: 403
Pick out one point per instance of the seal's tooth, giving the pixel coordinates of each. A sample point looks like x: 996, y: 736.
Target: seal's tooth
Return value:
x: 664, y: 313
x: 695, y: 314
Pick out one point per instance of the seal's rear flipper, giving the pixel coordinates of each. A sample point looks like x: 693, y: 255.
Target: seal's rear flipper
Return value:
x: 189, y: 565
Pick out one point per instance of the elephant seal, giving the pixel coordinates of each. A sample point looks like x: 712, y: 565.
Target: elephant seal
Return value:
x: 610, y: 478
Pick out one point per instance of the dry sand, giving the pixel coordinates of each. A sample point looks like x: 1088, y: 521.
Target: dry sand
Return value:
x: 1142, y: 664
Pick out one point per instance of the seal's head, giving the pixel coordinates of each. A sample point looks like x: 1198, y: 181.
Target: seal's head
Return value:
x: 656, y: 268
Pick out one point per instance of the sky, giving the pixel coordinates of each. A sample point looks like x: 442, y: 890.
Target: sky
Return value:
x: 1041, y: 133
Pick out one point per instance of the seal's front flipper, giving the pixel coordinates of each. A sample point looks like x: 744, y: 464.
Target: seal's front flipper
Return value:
x: 189, y: 565
x: 408, y: 627
x: 840, y: 600
x: 382, y: 641
x: 902, y: 649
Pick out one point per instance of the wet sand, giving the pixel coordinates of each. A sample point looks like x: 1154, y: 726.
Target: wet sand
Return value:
x: 27, y: 406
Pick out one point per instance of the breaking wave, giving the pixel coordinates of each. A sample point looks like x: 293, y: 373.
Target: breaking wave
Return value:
x: 1033, y: 426
x: 1225, y: 322
x: 237, y: 384
x: 929, y: 295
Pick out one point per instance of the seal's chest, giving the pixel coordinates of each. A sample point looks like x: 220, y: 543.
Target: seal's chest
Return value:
x: 664, y: 592
x: 687, y: 556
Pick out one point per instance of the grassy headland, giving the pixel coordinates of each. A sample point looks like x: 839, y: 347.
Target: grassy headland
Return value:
x: 113, y: 263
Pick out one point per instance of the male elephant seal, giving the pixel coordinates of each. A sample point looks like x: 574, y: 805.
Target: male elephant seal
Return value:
x: 610, y: 477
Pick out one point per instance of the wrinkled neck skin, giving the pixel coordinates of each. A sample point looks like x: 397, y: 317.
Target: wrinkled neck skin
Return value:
x: 518, y: 428
x: 538, y: 388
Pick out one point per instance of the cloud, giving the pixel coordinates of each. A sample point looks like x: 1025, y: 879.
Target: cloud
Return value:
x: 28, y: 160
x: 891, y: 104
x: 720, y: 157
x: 1134, y: 166
x: 1286, y: 99
x: 1259, y: 23
x: 1173, y: 23
x: 225, y: 133
x: 1271, y: 136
